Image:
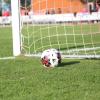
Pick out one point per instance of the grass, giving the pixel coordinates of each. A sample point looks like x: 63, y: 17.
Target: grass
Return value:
x: 5, y: 42
x: 24, y: 78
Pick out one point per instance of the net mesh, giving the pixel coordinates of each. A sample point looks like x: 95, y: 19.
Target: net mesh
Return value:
x: 61, y: 25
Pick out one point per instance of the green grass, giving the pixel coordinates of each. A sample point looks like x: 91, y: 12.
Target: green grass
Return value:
x: 5, y: 42
x: 24, y: 78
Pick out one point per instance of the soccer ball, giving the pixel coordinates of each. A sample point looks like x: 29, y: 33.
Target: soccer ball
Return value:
x: 51, y: 58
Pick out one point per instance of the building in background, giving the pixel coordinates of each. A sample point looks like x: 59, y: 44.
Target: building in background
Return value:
x: 57, y: 6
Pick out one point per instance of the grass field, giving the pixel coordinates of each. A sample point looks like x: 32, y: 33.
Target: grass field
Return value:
x: 24, y: 78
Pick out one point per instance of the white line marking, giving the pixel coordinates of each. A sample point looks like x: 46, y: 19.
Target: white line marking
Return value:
x: 7, y: 58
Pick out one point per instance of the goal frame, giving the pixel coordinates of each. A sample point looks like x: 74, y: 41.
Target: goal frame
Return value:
x: 15, y: 8
x: 16, y: 33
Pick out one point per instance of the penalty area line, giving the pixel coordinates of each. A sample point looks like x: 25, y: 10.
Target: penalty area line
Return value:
x: 7, y: 58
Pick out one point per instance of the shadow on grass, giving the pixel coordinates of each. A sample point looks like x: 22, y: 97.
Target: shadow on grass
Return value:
x: 64, y: 64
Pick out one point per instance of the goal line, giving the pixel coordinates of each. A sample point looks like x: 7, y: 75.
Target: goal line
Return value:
x: 7, y: 58
x: 73, y: 55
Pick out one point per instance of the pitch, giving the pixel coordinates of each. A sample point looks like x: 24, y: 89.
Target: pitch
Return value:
x: 24, y: 77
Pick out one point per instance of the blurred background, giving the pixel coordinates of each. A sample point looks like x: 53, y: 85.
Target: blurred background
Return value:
x: 51, y: 6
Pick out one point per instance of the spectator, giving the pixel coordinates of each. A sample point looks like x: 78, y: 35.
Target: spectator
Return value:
x: 75, y: 13
x: 52, y: 11
x: 47, y: 12
x: 59, y: 11
x: 30, y: 13
x: 26, y: 11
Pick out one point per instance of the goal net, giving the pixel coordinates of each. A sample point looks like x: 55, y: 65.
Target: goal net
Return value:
x: 72, y: 26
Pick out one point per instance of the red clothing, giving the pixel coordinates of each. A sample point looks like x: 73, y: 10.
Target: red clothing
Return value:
x: 6, y: 13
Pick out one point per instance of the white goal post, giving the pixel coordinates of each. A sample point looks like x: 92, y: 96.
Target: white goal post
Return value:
x: 75, y: 35
x: 15, y: 8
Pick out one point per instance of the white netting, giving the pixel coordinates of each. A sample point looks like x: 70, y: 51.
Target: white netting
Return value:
x: 76, y: 33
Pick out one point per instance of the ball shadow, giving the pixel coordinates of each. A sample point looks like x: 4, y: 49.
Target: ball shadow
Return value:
x: 63, y: 64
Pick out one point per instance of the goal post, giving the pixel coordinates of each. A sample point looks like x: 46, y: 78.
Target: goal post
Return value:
x: 15, y: 8
x: 55, y: 24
